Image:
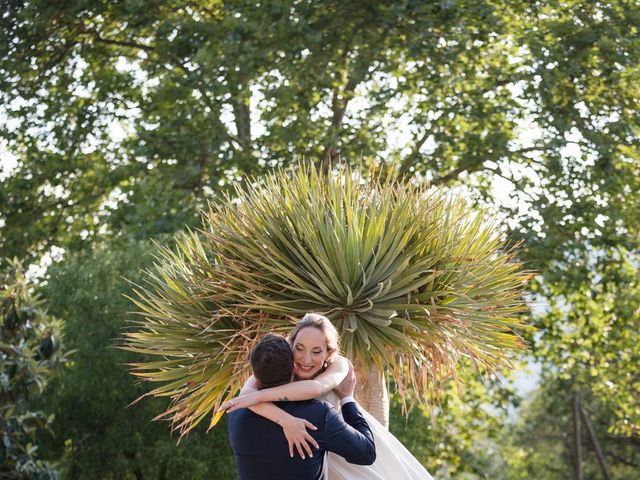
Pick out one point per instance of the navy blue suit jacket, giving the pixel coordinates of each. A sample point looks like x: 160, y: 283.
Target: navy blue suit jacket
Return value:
x: 261, y: 450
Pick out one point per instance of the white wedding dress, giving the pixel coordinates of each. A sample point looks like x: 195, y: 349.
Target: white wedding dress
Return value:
x: 393, y: 460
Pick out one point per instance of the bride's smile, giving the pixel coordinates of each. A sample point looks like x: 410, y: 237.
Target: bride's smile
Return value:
x: 309, y: 353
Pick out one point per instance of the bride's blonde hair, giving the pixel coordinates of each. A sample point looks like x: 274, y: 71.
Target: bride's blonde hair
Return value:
x: 323, y: 324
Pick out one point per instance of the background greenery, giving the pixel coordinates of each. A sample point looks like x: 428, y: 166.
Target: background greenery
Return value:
x: 97, y: 435
x: 29, y: 352
x: 126, y: 117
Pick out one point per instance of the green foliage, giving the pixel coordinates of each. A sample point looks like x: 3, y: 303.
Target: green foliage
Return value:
x: 189, y: 83
x: 411, y: 278
x: 29, y: 352
x: 541, y: 443
x: 99, y: 435
x: 539, y: 96
x: 462, y: 436
x: 589, y: 337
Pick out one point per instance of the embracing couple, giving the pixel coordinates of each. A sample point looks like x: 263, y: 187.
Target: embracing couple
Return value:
x: 296, y: 418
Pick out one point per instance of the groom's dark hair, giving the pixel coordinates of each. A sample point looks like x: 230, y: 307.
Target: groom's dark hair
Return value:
x: 272, y: 361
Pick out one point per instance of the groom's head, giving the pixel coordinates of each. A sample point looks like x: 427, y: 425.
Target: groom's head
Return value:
x: 272, y: 361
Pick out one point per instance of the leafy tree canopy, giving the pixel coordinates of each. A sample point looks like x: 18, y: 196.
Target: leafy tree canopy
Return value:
x: 541, y: 93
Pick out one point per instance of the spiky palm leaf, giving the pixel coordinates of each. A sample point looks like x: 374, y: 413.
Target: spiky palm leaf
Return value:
x: 412, y: 278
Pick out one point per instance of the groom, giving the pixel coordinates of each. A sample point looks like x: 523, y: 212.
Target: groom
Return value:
x: 259, y: 445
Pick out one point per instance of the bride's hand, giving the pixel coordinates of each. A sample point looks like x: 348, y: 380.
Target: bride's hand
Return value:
x: 243, y: 401
x: 295, y: 429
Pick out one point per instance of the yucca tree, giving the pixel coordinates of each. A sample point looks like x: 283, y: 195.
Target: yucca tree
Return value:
x: 414, y: 280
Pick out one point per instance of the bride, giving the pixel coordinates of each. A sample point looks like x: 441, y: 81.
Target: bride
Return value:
x: 318, y: 369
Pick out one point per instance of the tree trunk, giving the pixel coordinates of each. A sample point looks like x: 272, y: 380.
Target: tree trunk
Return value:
x: 330, y: 159
x: 595, y: 443
x: 577, y: 438
x: 371, y: 392
x: 241, y: 103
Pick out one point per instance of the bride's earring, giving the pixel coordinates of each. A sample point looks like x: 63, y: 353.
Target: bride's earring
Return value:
x: 325, y: 365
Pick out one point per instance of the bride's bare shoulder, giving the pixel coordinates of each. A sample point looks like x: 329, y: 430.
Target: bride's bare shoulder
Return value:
x: 340, y: 362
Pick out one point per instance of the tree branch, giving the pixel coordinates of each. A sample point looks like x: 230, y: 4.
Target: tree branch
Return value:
x: 621, y: 459
x: 121, y: 43
x: 415, y: 153
x: 449, y: 176
x: 131, y: 44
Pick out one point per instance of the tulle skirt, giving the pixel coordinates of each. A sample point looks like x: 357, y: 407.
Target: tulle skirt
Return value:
x: 393, y: 460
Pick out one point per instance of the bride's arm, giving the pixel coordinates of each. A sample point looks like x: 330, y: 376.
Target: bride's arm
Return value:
x: 294, y: 428
x: 301, y: 390
x: 249, y: 386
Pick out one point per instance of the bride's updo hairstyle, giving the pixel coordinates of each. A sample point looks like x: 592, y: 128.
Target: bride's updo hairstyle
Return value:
x: 323, y: 324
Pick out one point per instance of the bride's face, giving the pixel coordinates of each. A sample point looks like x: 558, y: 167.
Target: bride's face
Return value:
x: 309, y: 353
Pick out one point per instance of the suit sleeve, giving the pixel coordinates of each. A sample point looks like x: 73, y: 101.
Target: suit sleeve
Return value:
x: 350, y: 438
